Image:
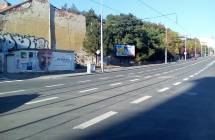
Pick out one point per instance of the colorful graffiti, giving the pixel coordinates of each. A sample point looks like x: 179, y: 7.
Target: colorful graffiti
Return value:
x: 10, y: 41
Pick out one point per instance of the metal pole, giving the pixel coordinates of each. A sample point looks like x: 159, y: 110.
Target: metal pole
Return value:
x: 102, y: 65
x: 166, y: 47
x: 50, y: 40
x: 205, y: 51
x: 185, y: 52
x: 50, y: 35
x: 195, y: 48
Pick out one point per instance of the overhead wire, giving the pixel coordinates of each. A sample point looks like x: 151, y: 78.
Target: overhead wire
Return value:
x: 162, y: 15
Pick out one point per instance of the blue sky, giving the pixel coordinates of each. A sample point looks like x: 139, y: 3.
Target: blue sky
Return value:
x: 197, y: 17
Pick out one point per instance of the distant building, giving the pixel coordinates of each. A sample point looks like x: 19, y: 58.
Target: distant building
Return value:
x: 36, y: 25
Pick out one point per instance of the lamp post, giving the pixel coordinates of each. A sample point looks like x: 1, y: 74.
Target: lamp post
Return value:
x: 195, y: 48
x: 185, y: 49
x: 203, y: 43
x: 185, y: 46
x: 102, y: 63
x: 166, y: 46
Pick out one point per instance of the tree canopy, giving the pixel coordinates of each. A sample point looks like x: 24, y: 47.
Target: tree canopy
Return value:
x: 148, y: 38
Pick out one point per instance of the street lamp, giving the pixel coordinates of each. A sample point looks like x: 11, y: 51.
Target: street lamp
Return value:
x: 102, y: 65
x: 185, y: 46
x: 203, y: 43
x: 166, y: 46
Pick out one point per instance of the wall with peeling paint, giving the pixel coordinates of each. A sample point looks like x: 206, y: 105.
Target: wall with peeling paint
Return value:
x: 32, y: 20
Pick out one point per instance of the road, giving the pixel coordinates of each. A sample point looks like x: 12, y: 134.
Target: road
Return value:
x: 168, y: 101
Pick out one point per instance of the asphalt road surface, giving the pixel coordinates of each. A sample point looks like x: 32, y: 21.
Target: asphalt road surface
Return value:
x: 173, y: 101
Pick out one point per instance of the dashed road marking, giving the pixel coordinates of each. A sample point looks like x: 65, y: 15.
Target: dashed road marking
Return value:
x: 8, y: 81
x: 54, y: 85
x: 176, y: 84
x: 185, y: 79
x: 43, y: 100
x: 119, y: 76
x: 84, y: 81
x: 147, y: 77
x: 95, y: 120
x: 191, y: 76
x: 131, y: 73
x: 164, y: 89
x: 16, y: 91
x: 91, y: 89
x: 135, y: 76
x: 103, y: 78
x: 133, y: 80
x: 115, y: 84
x: 140, y: 99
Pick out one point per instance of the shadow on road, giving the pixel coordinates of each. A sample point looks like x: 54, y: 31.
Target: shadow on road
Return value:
x: 187, y: 116
x: 32, y: 75
x: 12, y: 102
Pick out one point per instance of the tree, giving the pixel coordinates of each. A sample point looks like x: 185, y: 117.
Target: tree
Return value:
x: 72, y: 9
x: 92, y: 37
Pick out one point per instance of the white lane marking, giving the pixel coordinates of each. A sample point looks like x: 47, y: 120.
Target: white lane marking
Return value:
x: 165, y: 72
x: 12, y: 92
x: 18, y: 80
x: 43, y: 100
x: 119, y: 76
x: 54, y: 85
x: 133, y: 80
x: 176, y: 84
x: 148, y: 77
x: 103, y: 78
x: 11, y: 81
x: 84, y: 81
x: 135, y: 76
x: 140, y: 99
x: 95, y: 120
x: 163, y: 89
x: 196, y: 73
x: 191, y: 76
x: 115, y: 84
x: 185, y: 79
x: 91, y: 89
x: 8, y: 81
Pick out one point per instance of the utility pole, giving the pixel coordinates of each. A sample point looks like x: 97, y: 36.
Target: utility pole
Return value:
x: 102, y: 63
x: 50, y: 35
x: 205, y: 51
x: 166, y: 45
x: 195, y: 48
x: 185, y: 51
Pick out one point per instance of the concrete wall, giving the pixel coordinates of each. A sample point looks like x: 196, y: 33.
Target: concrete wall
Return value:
x: 32, y: 19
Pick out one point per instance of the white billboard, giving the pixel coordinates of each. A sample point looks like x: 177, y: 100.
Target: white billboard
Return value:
x: 125, y: 50
x: 62, y: 61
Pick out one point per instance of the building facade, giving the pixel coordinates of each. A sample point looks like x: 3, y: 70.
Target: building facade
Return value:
x: 36, y: 25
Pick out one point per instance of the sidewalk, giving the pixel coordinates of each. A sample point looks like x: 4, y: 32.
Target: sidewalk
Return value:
x: 78, y: 72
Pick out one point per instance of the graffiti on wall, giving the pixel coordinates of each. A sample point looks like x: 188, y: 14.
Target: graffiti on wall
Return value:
x: 10, y: 41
